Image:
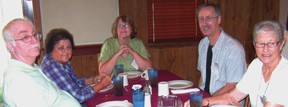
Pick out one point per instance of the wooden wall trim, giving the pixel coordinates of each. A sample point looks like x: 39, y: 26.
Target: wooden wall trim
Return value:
x: 87, y: 50
x: 173, y: 44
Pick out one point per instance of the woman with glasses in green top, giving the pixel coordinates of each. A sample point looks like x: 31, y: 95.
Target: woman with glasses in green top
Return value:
x: 123, y: 48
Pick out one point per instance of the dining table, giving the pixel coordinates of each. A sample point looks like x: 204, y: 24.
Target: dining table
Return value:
x: 163, y: 75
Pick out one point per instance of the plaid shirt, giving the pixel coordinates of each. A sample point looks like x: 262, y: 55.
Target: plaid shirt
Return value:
x: 66, y: 79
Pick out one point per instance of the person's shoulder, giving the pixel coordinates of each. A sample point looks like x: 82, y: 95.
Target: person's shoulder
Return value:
x: 204, y: 41
x: 15, y: 73
x: 231, y: 43
x: 136, y: 40
x: 255, y: 65
x: 110, y: 39
x: 256, y: 61
x: 281, y: 69
x: 284, y: 62
x: 47, y: 61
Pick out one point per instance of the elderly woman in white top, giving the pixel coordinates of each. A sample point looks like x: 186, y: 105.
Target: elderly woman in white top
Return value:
x: 266, y: 76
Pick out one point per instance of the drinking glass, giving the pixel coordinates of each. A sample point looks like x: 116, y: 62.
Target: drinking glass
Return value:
x: 196, y: 99
x: 118, y: 69
x: 118, y: 85
x: 138, y: 97
x: 153, y: 77
x: 169, y: 101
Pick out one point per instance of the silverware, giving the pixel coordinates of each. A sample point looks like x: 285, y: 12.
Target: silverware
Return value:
x: 106, y: 95
x: 136, y: 80
x: 125, y: 88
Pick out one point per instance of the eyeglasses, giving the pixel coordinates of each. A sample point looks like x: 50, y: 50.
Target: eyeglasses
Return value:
x: 207, y: 19
x: 269, y: 44
x: 124, y: 26
x: 28, y: 38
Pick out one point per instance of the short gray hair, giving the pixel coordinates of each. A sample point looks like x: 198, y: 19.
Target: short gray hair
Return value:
x: 215, y: 6
x: 6, y: 32
x: 270, y: 26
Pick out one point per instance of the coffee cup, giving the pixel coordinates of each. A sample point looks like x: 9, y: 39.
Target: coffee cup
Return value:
x: 163, y: 88
x: 145, y: 74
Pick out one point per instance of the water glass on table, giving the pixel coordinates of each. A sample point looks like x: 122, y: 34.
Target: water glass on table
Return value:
x: 118, y: 69
x: 196, y: 99
x: 118, y: 85
x: 153, y: 77
x: 169, y: 101
x: 138, y: 97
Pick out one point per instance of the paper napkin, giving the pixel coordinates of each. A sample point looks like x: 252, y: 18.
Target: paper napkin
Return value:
x: 181, y: 91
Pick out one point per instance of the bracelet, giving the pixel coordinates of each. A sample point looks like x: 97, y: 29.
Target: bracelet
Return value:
x: 208, y: 101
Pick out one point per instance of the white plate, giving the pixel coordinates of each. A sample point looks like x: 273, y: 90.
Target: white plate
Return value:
x: 115, y: 104
x: 223, y: 106
x: 179, y: 84
x: 104, y: 89
x: 133, y: 74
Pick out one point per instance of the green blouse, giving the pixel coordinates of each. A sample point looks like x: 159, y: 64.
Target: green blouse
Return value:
x: 111, y: 46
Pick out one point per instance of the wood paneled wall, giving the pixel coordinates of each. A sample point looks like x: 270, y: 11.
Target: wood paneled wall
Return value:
x: 240, y: 16
x: 85, y: 65
x: 238, y: 19
x: 85, y: 60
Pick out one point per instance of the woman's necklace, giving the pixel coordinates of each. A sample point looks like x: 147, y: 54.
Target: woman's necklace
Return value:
x: 263, y: 98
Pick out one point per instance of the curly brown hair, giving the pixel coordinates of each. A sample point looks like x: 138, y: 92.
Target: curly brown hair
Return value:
x: 54, y: 36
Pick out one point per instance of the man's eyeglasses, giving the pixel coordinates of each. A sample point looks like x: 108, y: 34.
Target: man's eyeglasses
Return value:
x: 269, y: 44
x: 124, y: 26
x: 28, y: 38
x: 207, y: 19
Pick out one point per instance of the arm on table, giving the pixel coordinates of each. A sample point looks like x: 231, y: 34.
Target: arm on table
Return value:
x: 102, y: 84
x: 106, y: 67
x: 94, y: 79
x: 221, y: 99
x: 227, y: 88
x: 269, y: 104
x: 142, y: 62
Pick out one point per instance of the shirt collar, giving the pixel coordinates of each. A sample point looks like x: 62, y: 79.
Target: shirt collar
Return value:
x: 219, y: 41
x: 23, y: 65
